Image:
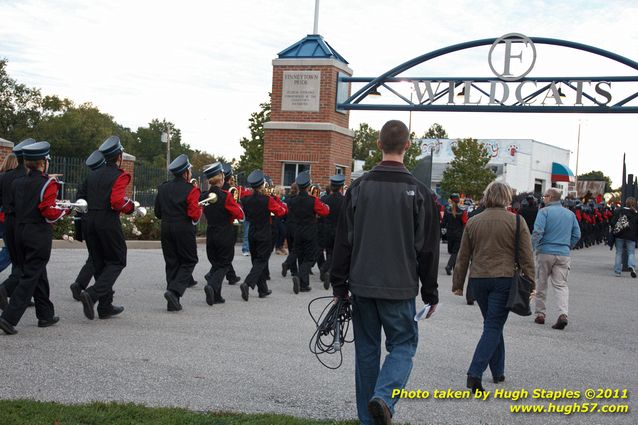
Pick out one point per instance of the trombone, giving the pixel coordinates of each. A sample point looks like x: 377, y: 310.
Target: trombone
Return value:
x: 212, y: 198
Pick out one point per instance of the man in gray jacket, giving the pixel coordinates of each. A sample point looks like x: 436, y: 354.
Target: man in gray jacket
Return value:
x: 387, y: 240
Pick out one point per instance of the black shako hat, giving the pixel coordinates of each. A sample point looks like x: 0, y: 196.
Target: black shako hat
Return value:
x: 303, y: 180
x: 17, y: 149
x: 95, y: 160
x: 228, y: 170
x: 255, y: 179
x: 338, y: 180
x: 111, y: 147
x: 36, y: 151
x: 213, y: 170
x: 179, y: 165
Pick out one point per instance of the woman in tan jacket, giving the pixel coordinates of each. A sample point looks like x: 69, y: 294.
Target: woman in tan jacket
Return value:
x: 487, y: 247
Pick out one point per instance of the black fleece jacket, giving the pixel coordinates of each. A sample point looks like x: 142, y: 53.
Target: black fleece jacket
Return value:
x: 387, y: 237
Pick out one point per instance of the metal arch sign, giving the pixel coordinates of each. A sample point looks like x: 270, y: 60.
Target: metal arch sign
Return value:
x: 511, y: 59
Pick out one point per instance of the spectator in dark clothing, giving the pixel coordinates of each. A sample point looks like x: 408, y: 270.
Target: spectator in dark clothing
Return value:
x: 529, y: 212
x: 454, y: 220
x: 624, y: 227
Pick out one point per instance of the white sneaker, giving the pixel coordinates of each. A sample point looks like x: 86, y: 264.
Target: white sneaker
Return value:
x: 633, y: 272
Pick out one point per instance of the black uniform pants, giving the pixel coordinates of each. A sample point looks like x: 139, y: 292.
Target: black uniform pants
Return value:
x: 260, y: 249
x: 86, y: 274
x: 453, y: 246
x: 33, y: 244
x: 231, y: 274
x: 306, y: 249
x: 11, y: 282
x: 329, y: 245
x: 180, y: 255
x: 220, y: 250
x: 291, y: 259
x: 107, y: 250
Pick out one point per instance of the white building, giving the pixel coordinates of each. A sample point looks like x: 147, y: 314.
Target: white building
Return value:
x: 525, y: 164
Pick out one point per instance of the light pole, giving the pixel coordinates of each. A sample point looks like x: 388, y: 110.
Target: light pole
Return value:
x: 166, y: 138
x: 577, y: 157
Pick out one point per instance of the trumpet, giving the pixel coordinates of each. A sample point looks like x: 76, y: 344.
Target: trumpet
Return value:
x: 314, y: 190
x: 139, y: 211
x: 212, y: 198
x: 80, y: 205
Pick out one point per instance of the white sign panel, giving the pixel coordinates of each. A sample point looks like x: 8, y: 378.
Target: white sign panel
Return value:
x: 301, y: 91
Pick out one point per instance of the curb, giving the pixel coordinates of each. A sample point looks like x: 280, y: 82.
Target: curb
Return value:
x: 130, y: 244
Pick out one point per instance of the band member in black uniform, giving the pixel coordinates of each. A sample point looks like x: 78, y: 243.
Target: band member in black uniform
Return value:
x: 8, y: 286
x: 229, y: 181
x: 454, y: 220
x: 334, y: 200
x: 176, y: 204
x: 220, y: 232
x: 257, y: 208
x: 291, y: 260
x: 305, y: 208
x: 94, y: 162
x: 106, y: 197
x: 35, y: 209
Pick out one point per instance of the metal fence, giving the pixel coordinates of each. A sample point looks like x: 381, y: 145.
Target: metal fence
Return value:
x: 71, y: 172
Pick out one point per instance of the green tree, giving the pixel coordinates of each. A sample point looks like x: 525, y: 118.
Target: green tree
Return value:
x: 597, y: 176
x: 22, y: 108
x: 149, y: 147
x: 80, y: 130
x: 253, y: 156
x: 468, y: 172
x: 409, y: 160
x: 364, y: 142
x: 436, y: 131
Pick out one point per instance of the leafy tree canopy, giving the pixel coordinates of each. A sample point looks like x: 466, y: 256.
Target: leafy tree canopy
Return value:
x: 468, y: 172
x: 597, y: 176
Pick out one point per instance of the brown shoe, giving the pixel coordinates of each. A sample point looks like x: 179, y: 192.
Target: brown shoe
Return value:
x: 380, y: 412
x: 540, y: 319
x: 561, y: 322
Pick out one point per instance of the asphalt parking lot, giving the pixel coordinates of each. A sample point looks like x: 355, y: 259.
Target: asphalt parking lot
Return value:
x: 253, y: 356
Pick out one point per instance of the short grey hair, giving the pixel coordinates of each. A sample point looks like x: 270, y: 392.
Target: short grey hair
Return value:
x: 554, y: 194
x: 497, y: 194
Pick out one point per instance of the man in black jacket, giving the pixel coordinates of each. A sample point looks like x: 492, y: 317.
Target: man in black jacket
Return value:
x: 387, y: 240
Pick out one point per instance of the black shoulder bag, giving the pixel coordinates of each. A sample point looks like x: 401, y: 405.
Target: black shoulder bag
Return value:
x: 521, y: 287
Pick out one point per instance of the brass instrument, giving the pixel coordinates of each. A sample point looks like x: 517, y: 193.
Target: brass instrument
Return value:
x: 80, y: 205
x: 139, y: 211
x: 194, y: 182
x: 234, y: 192
x: 315, y: 190
x: 212, y: 198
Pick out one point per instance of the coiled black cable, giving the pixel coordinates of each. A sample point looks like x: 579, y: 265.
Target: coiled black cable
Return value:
x: 332, y: 325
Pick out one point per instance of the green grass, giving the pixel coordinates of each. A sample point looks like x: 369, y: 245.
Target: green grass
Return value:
x: 29, y: 412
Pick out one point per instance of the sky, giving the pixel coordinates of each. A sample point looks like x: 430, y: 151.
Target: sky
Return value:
x: 207, y: 65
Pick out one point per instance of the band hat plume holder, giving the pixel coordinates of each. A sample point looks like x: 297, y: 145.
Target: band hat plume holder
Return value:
x: 303, y: 180
x: 17, y: 149
x: 95, y: 160
x: 111, y: 147
x: 213, y: 170
x: 36, y: 151
x: 255, y: 179
x: 179, y: 165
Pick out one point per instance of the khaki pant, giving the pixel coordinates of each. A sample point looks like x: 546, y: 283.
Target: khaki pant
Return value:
x: 554, y: 268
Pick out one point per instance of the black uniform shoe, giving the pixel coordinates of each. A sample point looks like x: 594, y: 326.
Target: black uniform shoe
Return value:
x: 48, y: 322
x: 265, y: 294
x: 210, y: 294
x: 4, y: 301
x: 295, y: 284
x: 219, y: 300
x: 172, y: 301
x: 326, y: 281
x: 268, y: 277
x: 305, y: 289
x: 284, y: 269
x: 244, y: 291
x: 87, y: 303
x: 380, y: 412
x: 7, y: 327
x: 193, y: 283
x: 448, y: 270
x: 75, y: 291
x: 114, y: 311
x: 235, y: 280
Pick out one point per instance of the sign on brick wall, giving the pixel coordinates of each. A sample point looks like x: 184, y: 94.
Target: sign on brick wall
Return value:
x: 301, y: 91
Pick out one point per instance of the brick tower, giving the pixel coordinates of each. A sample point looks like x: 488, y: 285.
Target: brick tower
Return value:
x: 306, y: 131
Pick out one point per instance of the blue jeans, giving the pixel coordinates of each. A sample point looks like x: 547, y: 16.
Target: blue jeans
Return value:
x: 631, y: 254
x: 397, y: 319
x: 244, y: 246
x: 491, y: 295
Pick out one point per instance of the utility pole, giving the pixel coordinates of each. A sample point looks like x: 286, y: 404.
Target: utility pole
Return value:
x: 166, y: 138
x: 577, y: 157
x: 316, y: 26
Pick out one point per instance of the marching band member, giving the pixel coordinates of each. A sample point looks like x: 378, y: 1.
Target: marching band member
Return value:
x: 304, y: 208
x: 334, y: 200
x: 454, y: 220
x: 229, y: 181
x: 291, y: 260
x: 257, y: 208
x: 10, y: 283
x: 221, y: 235
x: 35, y: 209
x: 105, y: 195
x: 95, y: 161
x: 177, y: 206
